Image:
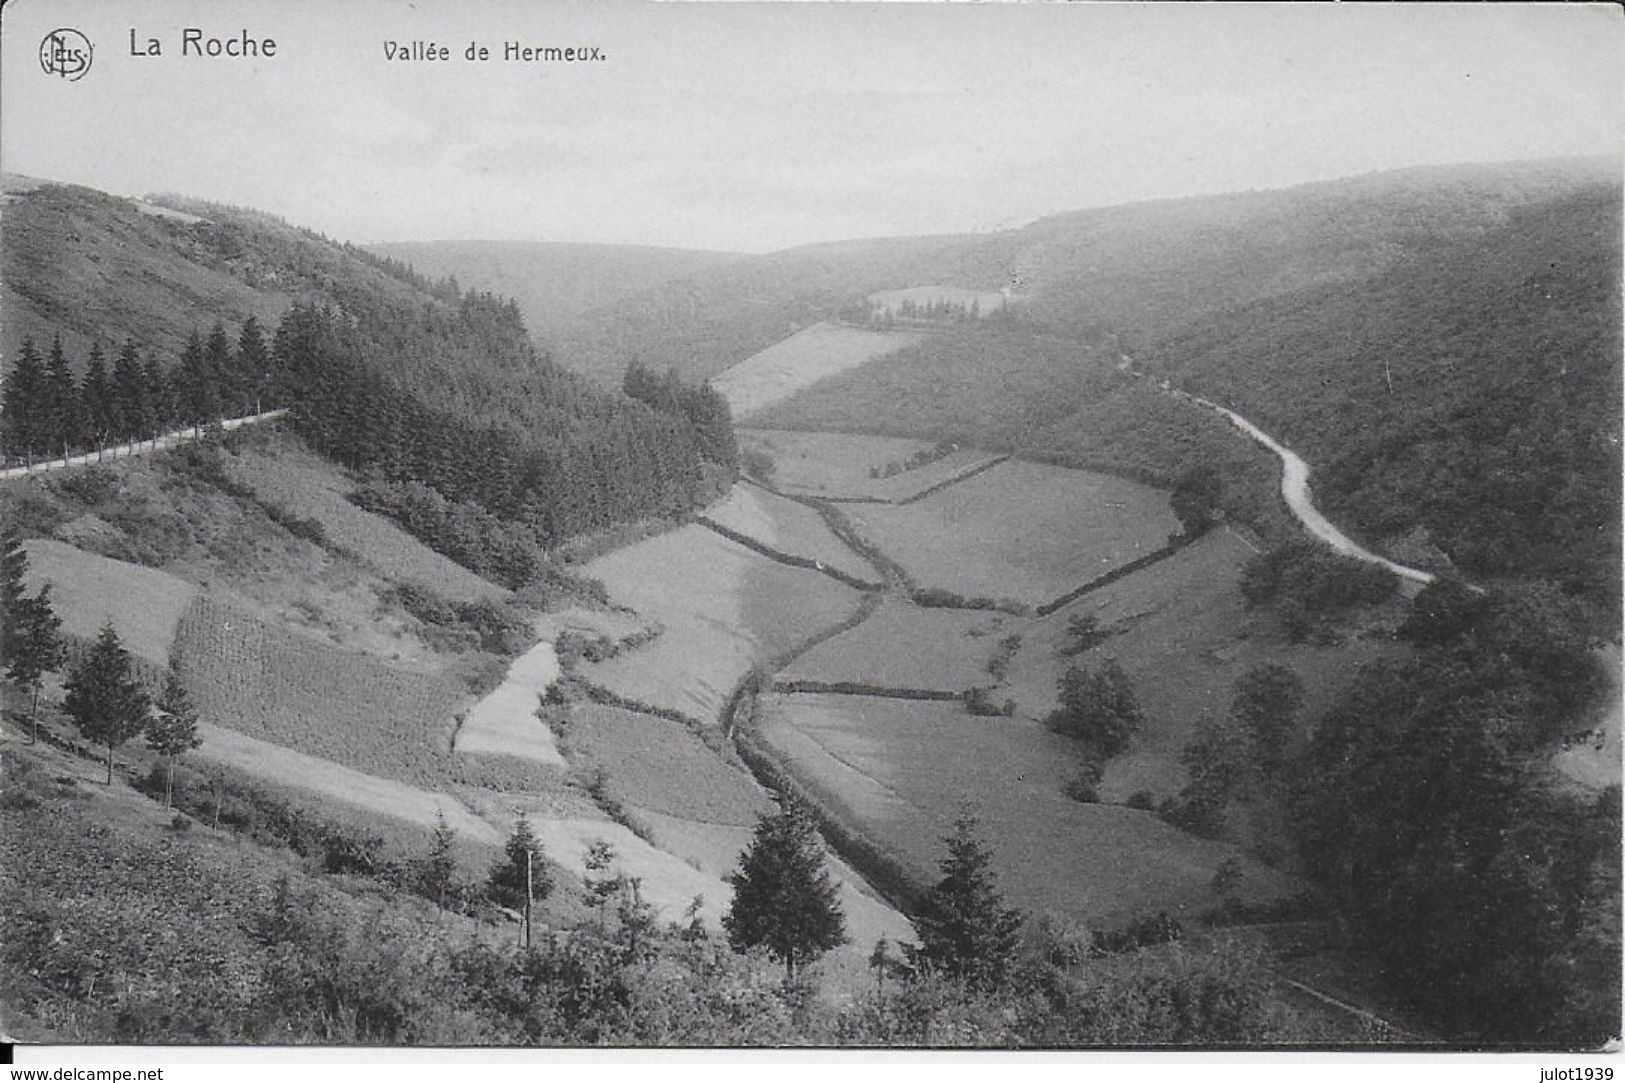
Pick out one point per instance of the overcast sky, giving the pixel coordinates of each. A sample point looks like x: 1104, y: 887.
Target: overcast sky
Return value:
x: 753, y: 127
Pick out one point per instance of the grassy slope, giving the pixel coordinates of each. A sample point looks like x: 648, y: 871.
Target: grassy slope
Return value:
x: 803, y: 359
x: 144, y: 606
x: 1021, y: 530
x: 553, y: 283
x: 837, y: 464
x: 788, y: 527
x: 905, y: 646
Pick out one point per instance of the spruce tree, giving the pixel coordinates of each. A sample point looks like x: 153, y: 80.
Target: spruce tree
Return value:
x: 196, y: 388
x: 506, y: 884
x: 964, y: 928
x: 25, y: 408
x: 34, y: 647
x: 163, y: 413
x: 131, y: 409
x: 218, y: 362
x: 106, y: 702
x: 437, y: 871
x: 96, y: 400
x: 172, y: 729
x: 253, y: 364
x: 784, y: 899
x: 63, y: 409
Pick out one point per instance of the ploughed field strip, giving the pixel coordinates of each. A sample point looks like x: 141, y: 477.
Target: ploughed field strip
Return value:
x: 900, y: 772
x: 1021, y: 531
x: 722, y: 608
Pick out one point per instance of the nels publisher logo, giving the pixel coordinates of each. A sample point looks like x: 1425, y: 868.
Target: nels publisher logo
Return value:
x: 65, y: 53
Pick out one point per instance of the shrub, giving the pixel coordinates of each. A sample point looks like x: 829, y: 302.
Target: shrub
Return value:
x: 1142, y: 800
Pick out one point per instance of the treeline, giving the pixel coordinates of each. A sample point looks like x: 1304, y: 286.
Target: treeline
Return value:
x: 704, y: 408
x: 48, y: 412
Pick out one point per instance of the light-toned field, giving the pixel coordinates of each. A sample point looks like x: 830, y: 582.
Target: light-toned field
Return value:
x: 986, y: 301
x: 504, y: 723
x: 346, y: 707
x: 788, y: 527
x: 661, y: 766
x: 905, y: 770
x: 837, y: 465
x: 293, y: 478
x: 1186, y: 637
x: 722, y: 607
x: 388, y: 797
x: 144, y: 606
x: 905, y: 646
x: 1021, y: 530
x: 801, y: 361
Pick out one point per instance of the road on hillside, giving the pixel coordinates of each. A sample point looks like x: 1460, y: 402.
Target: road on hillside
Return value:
x: 1294, y: 485
x: 139, y: 447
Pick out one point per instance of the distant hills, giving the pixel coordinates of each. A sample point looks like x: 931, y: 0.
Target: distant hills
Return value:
x: 553, y: 283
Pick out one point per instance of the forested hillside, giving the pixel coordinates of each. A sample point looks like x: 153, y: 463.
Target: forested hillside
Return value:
x: 437, y: 393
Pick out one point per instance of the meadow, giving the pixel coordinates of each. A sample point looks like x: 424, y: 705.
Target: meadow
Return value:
x: 839, y: 465
x: 887, y: 766
x: 788, y: 527
x: 802, y: 360
x: 906, y: 646
x: 144, y: 606
x: 722, y: 608
x: 1182, y: 632
x: 505, y: 723
x: 1022, y: 530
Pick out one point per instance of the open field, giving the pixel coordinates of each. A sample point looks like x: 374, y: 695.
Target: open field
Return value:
x: 885, y: 764
x: 1185, y: 636
x: 292, y: 477
x: 788, y: 527
x: 987, y: 302
x: 905, y: 646
x: 145, y: 606
x: 388, y: 797
x: 828, y: 464
x: 504, y: 723
x: 801, y: 361
x: 1021, y: 530
x: 723, y: 608
x: 661, y: 766
x: 266, y: 682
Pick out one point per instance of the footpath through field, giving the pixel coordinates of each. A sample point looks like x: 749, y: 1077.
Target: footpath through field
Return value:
x: 138, y: 447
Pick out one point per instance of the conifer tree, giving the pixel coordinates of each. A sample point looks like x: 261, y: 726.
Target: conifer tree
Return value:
x: 218, y: 362
x: 65, y: 418
x: 172, y: 729
x: 25, y: 413
x: 106, y: 702
x: 437, y: 871
x: 784, y: 899
x: 131, y: 408
x: 34, y: 647
x: 253, y: 364
x: 965, y: 930
x: 96, y: 400
x: 196, y: 391
x: 162, y: 410
x: 506, y: 884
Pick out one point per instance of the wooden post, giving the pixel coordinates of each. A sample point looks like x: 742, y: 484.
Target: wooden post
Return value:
x: 529, y: 856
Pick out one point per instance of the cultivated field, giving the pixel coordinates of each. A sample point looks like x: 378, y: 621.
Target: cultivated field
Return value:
x: 905, y: 646
x: 267, y: 682
x: 790, y: 528
x: 831, y: 464
x: 723, y: 608
x: 504, y: 723
x: 309, y: 487
x: 987, y: 302
x: 661, y: 766
x: 144, y: 606
x: 903, y: 771
x: 801, y: 361
x: 1185, y: 638
x: 1021, y: 530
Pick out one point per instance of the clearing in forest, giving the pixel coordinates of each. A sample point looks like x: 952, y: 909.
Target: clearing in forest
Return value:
x: 1022, y: 530
x: 801, y: 361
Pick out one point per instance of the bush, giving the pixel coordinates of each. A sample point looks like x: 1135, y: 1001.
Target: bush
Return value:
x: 1142, y: 800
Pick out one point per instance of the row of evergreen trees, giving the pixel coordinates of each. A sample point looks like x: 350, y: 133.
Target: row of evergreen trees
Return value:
x: 48, y: 412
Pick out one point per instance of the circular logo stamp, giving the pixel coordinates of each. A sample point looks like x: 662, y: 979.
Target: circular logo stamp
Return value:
x: 65, y: 53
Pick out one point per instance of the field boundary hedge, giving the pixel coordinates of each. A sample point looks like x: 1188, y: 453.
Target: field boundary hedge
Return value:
x: 858, y: 688
x: 1135, y: 565
x: 790, y: 559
